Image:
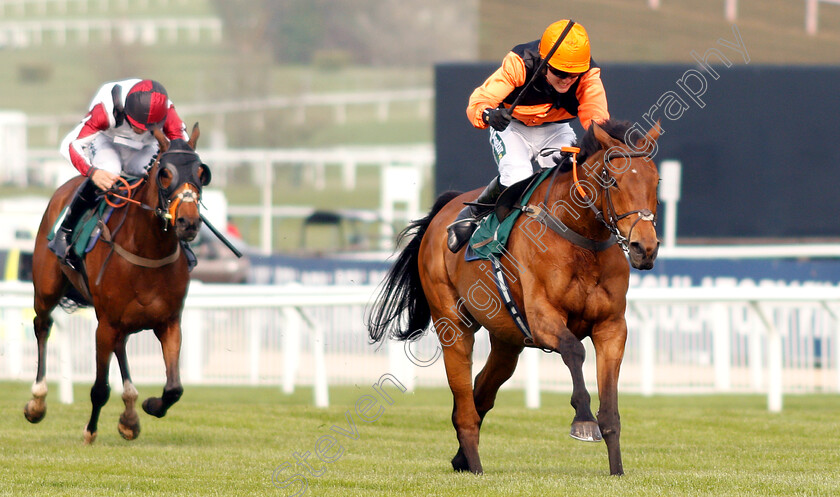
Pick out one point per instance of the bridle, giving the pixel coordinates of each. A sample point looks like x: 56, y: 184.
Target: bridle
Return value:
x: 167, y: 203
x: 608, y: 216
x: 612, y: 217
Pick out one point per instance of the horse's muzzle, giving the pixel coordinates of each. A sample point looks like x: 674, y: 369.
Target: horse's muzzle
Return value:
x: 186, y: 229
x: 642, y: 255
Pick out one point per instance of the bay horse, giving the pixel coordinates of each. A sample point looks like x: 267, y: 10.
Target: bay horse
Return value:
x: 142, y: 286
x: 566, y: 284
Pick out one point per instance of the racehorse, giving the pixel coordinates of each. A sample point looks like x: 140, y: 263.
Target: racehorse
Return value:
x: 567, y: 283
x: 142, y: 286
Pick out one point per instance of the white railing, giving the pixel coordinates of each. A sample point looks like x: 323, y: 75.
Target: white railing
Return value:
x: 42, y: 7
x: 148, y: 31
x: 721, y: 338
x: 730, y: 11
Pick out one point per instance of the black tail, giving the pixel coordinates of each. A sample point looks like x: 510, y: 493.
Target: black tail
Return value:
x: 401, y: 290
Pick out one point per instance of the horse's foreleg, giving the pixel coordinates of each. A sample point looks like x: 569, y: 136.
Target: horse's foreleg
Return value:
x: 129, y: 425
x: 584, y: 426
x: 170, y: 344
x: 100, y: 391
x: 609, y: 352
x: 36, y: 408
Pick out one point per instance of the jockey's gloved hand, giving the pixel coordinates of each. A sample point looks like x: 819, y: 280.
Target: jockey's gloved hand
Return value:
x: 498, y: 119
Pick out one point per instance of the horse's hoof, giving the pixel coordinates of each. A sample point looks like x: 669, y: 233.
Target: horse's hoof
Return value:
x: 154, y: 407
x: 129, y: 426
x: 33, y: 412
x: 459, y: 462
x: 89, y: 437
x: 586, y: 431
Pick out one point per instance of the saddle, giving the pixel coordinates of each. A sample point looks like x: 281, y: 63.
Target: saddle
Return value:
x: 491, y: 235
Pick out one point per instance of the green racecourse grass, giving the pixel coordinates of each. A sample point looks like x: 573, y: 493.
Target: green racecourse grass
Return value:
x: 228, y: 441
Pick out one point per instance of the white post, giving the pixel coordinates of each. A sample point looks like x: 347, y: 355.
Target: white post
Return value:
x: 653, y: 4
x: 65, y: 365
x: 731, y: 10
x: 400, y: 365
x: 722, y: 337
x: 756, y: 363
x: 532, y: 378
x: 14, y: 341
x: 774, y: 374
x: 774, y: 360
x: 669, y: 192
x: 254, y: 339
x: 267, y: 218
x: 291, y: 349
x: 321, y: 390
x: 348, y: 174
x: 647, y: 354
x: 193, y: 345
x: 811, y: 16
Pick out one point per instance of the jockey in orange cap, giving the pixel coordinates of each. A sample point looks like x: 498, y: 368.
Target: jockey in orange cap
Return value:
x: 568, y: 86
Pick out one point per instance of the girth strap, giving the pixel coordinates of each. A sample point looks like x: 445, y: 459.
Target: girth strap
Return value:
x: 548, y: 219
x: 507, y: 298
x: 136, y: 259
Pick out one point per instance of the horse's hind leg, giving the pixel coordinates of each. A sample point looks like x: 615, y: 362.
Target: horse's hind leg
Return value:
x: 36, y: 408
x: 500, y: 366
x: 49, y: 287
x: 170, y: 344
x: 129, y: 425
x: 457, y: 357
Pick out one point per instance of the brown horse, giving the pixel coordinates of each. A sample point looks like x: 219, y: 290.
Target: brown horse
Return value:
x: 567, y: 283
x: 142, y: 286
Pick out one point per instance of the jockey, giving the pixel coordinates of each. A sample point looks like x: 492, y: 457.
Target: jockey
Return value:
x: 114, y: 137
x: 568, y: 86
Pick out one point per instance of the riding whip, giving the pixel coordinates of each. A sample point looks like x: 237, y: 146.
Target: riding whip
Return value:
x: 221, y: 236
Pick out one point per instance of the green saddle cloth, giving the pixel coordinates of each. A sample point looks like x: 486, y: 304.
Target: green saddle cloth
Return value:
x: 491, y: 236
x: 84, y: 227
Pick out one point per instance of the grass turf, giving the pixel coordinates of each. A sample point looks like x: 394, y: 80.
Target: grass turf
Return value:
x: 230, y: 441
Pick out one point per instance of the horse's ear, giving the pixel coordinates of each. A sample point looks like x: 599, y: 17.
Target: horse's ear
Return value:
x: 648, y: 142
x: 204, y: 174
x: 163, y: 141
x: 603, y: 137
x: 194, y: 136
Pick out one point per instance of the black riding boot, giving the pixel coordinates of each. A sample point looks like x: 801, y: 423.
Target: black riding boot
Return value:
x: 63, y: 240
x: 462, y: 228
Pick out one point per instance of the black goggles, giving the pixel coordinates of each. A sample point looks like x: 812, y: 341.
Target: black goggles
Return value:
x: 563, y: 74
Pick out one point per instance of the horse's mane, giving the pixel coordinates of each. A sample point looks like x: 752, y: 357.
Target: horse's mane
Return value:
x: 589, y: 145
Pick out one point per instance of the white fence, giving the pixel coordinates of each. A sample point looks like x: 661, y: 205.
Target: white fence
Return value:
x: 22, y: 34
x: 750, y: 338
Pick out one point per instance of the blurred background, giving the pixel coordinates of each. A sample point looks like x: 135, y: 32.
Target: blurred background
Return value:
x: 325, y: 121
